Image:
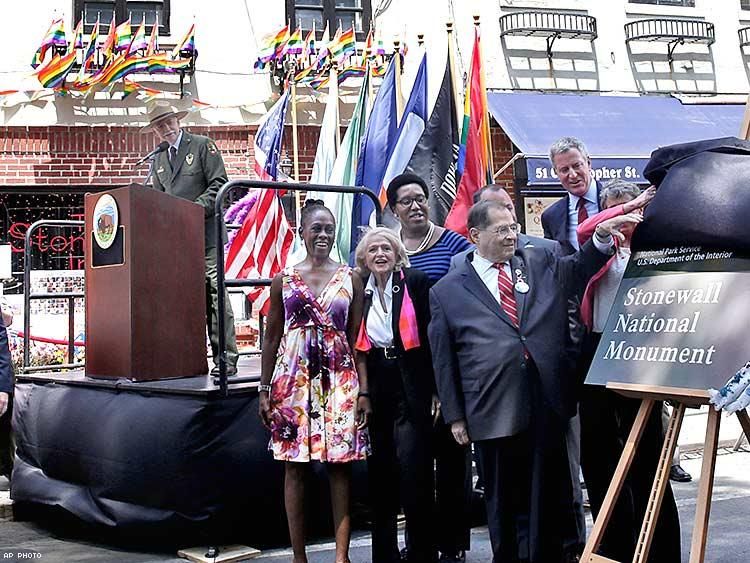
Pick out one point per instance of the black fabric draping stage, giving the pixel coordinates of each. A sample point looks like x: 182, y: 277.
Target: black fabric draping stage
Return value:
x: 156, y: 458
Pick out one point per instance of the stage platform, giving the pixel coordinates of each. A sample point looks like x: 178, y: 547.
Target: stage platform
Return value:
x: 167, y: 458
x: 248, y: 368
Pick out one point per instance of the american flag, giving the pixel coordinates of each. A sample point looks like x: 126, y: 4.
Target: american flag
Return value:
x: 261, y: 246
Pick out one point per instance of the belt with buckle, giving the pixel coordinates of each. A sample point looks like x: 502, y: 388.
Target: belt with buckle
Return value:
x: 389, y: 352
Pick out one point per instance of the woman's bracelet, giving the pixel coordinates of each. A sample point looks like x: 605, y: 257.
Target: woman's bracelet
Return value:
x: 262, y: 388
x: 364, y: 394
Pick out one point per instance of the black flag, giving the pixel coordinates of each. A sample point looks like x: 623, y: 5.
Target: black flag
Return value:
x: 436, y: 154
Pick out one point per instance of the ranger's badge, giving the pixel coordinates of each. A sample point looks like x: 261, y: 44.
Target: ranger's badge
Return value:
x: 189, y: 159
x: 212, y: 148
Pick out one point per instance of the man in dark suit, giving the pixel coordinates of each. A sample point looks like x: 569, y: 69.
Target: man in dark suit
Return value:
x: 192, y: 168
x: 498, y: 331
x: 572, y: 164
x: 6, y: 389
x: 575, y: 531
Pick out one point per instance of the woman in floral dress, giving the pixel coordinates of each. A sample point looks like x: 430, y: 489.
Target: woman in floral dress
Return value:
x: 313, y: 397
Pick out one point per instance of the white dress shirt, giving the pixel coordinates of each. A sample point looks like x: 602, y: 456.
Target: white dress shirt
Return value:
x: 380, y: 318
x: 488, y: 273
x: 606, y: 288
x: 592, y: 208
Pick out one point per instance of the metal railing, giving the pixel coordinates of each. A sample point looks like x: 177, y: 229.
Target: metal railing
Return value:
x: 222, y: 282
x: 569, y: 26
x: 744, y: 34
x: 666, y: 29
x: 28, y: 296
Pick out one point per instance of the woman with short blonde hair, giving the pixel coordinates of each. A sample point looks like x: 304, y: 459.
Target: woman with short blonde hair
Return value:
x: 392, y: 342
x: 402, y: 260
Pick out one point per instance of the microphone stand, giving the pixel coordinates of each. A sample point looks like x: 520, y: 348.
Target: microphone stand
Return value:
x: 150, y: 171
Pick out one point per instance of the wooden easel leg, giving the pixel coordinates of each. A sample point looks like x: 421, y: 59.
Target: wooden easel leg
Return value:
x: 705, y: 488
x: 744, y: 422
x: 618, y: 479
x: 660, y: 485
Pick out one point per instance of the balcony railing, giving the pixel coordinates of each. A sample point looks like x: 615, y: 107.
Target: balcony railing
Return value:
x: 669, y: 30
x: 744, y: 34
x: 547, y: 24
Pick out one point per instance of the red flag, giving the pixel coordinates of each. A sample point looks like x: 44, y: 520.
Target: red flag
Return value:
x: 477, y: 171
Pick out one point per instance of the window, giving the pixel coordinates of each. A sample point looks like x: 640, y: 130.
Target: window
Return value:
x: 346, y: 13
x: 139, y: 10
x: 683, y: 3
x: 745, y: 4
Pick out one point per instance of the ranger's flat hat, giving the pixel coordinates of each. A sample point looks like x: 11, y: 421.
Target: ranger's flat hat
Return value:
x: 158, y: 112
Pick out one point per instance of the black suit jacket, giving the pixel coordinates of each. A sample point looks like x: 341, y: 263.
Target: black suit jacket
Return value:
x: 417, y: 374
x: 6, y: 372
x: 478, y: 354
x: 555, y: 220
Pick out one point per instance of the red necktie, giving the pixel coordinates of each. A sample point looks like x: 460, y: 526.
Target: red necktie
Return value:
x: 582, y: 213
x: 507, y: 299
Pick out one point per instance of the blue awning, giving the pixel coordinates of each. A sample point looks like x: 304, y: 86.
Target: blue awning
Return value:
x: 620, y: 132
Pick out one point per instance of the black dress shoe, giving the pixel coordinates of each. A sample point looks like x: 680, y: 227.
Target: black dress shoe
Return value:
x: 457, y: 557
x: 677, y: 473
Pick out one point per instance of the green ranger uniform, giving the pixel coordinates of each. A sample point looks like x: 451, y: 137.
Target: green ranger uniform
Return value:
x: 197, y: 175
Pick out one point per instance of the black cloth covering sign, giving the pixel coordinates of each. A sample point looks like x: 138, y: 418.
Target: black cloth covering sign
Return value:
x: 702, y: 196
x: 155, y: 465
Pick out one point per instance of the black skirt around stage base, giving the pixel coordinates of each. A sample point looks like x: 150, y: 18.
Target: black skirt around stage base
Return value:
x: 164, y: 460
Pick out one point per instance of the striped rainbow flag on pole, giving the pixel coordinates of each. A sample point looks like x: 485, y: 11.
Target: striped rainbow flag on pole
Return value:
x: 123, y: 36
x: 187, y: 43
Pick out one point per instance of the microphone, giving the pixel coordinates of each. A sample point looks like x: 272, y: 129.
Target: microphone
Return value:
x: 161, y: 147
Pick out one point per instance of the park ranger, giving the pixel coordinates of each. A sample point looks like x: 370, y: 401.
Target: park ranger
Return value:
x: 192, y: 168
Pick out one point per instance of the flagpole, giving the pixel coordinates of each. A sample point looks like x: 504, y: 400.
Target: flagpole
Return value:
x: 334, y: 79
x: 487, y: 117
x: 452, y: 63
x: 295, y: 146
x: 399, y: 97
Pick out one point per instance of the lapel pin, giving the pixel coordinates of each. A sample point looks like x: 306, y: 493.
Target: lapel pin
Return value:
x: 161, y: 169
x: 189, y: 159
x: 522, y: 287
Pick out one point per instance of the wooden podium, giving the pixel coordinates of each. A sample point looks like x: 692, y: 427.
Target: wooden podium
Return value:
x: 145, y: 285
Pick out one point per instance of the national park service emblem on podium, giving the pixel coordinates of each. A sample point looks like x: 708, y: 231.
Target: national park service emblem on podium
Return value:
x: 106, y: 221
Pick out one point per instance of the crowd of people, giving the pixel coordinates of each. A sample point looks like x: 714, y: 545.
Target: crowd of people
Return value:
x: 435, y: 346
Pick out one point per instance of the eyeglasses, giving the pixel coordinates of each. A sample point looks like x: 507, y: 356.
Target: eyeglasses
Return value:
x: 407, y: 201
x: 505, y: 230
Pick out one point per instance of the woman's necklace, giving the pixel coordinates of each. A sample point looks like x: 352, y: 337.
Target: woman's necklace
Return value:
x: 425, y: 241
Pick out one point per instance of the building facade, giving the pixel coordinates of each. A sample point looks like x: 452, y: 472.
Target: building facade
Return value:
x: 55, y: 147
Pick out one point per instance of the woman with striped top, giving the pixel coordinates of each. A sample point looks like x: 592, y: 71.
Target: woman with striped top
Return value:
x: 430, y: 249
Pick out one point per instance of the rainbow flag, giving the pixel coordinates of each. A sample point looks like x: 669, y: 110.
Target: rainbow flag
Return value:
x: 318, y: 82
x: 380, y: 48
x: 344, y: 47
x: 139, y: 39
x: 77, y: 42
x: 309, y: 49
x: 475, y: 151
x: 294, y: 44
x: 108, y: 47
x: 272, y: 44
x: 88, y: 56
x: 153, y: 41
x: 52, y: 75
x: 55, y: 36
x: 187, y: 43
x: 129, y: 87
x: 367, y: 51
x: 379, y: 70
x: 353, y: 71
x: 123, y: 37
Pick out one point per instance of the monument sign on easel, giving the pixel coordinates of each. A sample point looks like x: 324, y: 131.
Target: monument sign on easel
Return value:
x: 677, y: 328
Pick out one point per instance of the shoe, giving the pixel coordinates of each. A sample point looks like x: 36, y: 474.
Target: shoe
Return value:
x: 231, y: 370
x: 456, y: 557
x: 677, y: 473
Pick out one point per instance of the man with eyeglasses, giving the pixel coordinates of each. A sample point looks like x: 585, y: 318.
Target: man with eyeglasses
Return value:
x: 571, y: 161
x: 498, y: 330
